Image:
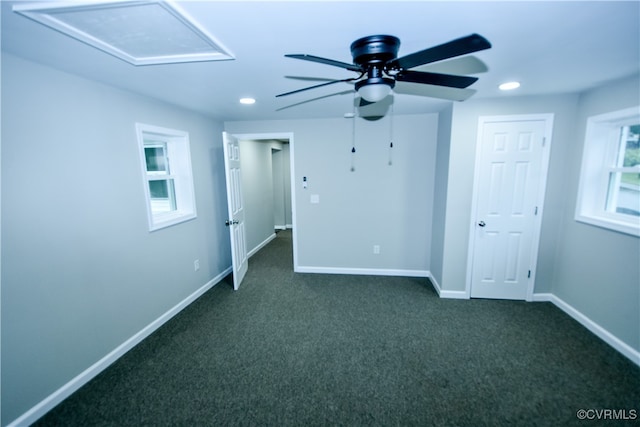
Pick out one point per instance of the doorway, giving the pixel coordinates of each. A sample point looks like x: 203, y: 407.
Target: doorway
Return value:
x: 512, y: 159
x: 281, y: 186
x: 267, y: 171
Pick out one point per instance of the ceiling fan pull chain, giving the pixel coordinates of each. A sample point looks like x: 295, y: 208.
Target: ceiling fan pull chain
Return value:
x: 391, y: 115
x: 353, y: 159
x: 353, y: 134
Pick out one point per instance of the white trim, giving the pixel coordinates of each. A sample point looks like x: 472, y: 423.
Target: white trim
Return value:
x: 40, y: 409
x: 435, y: 284
x: 541, y: 297
x: 294, y: 221
x: 600, y: 150
x: 45, y: 13
x: 283, y: 227
x: 179, y: 151
x: 544, y: 171
x: 265, y: 135
x: 261, y: 245
x: 288, y: 136
x: 387, y: 272
x: 606, y: 336
x: 445, y: 294
x: 604, y: 221
x: 363, y: 271
x: 454, y: 294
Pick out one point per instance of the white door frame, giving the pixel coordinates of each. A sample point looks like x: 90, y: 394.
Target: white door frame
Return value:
x: 288, y: 136
x: 546, y: 149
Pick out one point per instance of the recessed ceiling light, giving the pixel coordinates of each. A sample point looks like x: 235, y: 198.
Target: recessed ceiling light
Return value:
x: 247, y: 101
x: 509, y: 86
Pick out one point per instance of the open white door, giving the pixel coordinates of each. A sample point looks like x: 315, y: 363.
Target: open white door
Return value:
x: 235, y: 203
x: 509, y: 191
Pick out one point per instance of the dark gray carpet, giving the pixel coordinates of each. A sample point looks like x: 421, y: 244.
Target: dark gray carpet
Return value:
x: 301, y: 349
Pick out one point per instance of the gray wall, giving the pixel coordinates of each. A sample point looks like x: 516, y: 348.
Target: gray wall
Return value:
x: 377, y: 204
x: 593, y: 270
x: 461, y: 173
x: 440, y: 193
x: 597, y: 271
x: 81, y: 273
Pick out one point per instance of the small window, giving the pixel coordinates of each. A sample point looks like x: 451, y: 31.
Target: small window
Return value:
x: 609, y: 193
x: 168, y: 182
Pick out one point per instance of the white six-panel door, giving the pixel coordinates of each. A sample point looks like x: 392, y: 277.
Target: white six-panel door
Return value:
x: 235, y: 205
x: 508, y: 196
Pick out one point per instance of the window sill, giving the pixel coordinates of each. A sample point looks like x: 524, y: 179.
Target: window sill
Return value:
x: 163, y: 221
x: 613, y: 224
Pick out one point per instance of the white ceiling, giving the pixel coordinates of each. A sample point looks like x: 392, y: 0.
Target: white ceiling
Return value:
x: 550, y: 47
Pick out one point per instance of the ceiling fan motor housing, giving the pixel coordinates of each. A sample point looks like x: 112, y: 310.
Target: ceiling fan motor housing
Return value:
x: 374, y: 49
x: 372, y: 53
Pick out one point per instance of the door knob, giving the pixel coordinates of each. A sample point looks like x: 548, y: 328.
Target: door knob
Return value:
x: 230, y: 222
x: 482, y: 224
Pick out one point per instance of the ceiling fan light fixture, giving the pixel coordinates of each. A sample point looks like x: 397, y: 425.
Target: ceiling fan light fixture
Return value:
x: 374, y: 89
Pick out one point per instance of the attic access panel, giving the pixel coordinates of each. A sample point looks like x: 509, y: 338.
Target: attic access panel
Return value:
x: 139, y: 32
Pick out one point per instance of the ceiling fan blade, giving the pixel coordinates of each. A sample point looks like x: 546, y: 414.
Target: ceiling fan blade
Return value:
x: 437, y: 79
x: 469, y: 64
x: 363, y: 102
x: 317, y: 86
x: 326, y: 61
x: 431, y: 91
x: 318, y: 98
x: 457, y: 47
x: 309, y: 79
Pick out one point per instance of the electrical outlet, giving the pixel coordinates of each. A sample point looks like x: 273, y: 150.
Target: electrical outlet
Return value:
x: 196, y: 265
x: 376, y: 249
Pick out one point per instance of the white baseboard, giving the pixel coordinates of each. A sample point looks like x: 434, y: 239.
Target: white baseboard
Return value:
x: 81, y: 379
x: 386, y: 272
x: 546, y: 297
x: 606, y: 336
x: 69, y: 388
x: 279, y: 227
x: 454, y: 295
x: 261, y: 245
x: 363, y: 271
x: 447, y: 294
x: 435, y: 284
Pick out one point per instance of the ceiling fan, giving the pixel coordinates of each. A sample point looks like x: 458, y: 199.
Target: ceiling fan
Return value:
x: 375, y: 59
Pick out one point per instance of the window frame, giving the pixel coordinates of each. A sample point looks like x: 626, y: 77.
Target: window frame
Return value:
x: 600, y: 158
x: 179, y: 170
